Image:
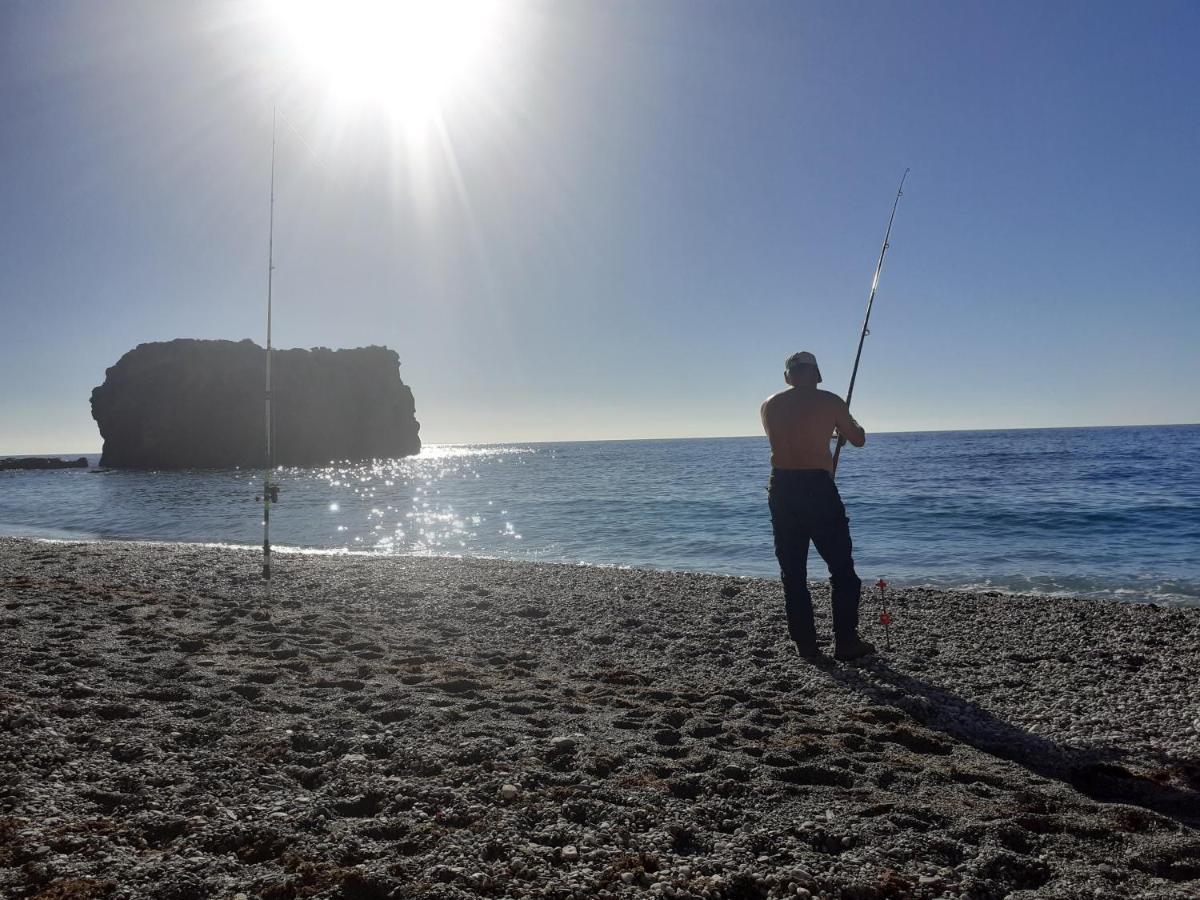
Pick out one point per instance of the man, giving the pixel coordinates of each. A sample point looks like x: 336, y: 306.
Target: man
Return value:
x: 806, y: 506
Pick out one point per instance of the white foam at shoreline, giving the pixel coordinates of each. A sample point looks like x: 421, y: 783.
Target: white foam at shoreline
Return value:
x: 1152, y: 594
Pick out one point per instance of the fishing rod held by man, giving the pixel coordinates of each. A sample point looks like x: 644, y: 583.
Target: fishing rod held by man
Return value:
x: 866, y: 326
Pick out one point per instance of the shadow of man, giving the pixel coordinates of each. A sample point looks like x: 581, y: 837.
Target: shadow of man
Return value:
x: 1097, y: 772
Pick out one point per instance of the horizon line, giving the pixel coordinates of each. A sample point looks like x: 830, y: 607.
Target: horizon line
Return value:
x: 730, y: 437
x: 709, y: 437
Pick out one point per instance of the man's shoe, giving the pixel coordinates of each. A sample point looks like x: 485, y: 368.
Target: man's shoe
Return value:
x: 808, y: 650
x: 852, y: 648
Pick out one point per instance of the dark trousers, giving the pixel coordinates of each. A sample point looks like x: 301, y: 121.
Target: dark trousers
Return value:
x: 806, y: 506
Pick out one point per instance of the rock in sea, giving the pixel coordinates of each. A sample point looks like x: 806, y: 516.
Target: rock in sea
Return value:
x: 199, y: 404
x: 40, y: 462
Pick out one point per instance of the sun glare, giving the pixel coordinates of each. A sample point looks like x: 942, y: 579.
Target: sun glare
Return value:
x: 407, y: 56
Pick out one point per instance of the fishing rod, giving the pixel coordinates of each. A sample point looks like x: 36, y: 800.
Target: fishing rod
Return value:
x: 867, y: 319
x: 270, y: 491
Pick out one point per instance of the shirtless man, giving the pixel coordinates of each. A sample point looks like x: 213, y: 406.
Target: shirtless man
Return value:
x: 806, y: 506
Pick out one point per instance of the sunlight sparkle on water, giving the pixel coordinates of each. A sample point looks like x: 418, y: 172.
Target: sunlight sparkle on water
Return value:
x: 404, y: 505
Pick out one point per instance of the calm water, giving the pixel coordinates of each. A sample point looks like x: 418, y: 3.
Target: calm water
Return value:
x: 1103, y: 512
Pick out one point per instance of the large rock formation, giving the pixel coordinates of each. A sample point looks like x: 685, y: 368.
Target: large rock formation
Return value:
x: 199, y: 404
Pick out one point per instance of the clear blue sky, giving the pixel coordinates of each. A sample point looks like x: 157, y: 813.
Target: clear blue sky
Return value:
x: 630, y: 215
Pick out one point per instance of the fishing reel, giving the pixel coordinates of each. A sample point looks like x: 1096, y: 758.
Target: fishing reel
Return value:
x: 272, y: 494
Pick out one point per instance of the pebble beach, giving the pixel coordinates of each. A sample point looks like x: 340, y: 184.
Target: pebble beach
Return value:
x: 388, y: 727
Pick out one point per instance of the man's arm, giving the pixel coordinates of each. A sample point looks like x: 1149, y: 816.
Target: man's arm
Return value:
x: 846, y: 426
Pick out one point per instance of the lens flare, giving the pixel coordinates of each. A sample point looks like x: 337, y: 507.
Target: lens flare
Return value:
x: 407, y: 56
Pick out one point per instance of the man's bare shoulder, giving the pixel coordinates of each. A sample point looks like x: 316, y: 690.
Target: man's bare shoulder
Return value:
x: 831, y: 397
x: 774, y: 399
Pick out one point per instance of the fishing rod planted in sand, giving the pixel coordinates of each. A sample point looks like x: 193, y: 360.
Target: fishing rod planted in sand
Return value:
x: 270, y: 491
x: 867, y: 319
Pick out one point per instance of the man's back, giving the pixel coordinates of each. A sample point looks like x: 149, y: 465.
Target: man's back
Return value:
x: 799, y: 423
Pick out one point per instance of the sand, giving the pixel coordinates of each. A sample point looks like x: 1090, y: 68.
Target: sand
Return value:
x: 420, y: 727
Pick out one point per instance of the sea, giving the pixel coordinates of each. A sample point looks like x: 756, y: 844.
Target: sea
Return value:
x: 1105, y: 513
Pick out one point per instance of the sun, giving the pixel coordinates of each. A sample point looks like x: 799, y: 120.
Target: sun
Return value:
x: 408, y: 57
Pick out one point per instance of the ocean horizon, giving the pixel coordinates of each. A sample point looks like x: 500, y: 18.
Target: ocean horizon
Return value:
x: 1105, y: 512
x: 720, y: 437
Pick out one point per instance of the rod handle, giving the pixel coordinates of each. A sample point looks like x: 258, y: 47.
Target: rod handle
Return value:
x: 837, y: 451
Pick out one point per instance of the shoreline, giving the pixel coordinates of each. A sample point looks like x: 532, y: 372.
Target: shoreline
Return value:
x: 466, y: 727
x: 1171, y: 601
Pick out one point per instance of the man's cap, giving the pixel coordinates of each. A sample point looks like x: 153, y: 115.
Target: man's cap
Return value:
x: 803, y: 358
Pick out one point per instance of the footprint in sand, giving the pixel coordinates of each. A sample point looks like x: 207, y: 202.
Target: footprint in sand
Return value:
x: 924, y: 742
x: 111, y: 712
x: 168, y: 693
x: 394, y: 714
x: 675, y: 718
x: 706, y: 730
